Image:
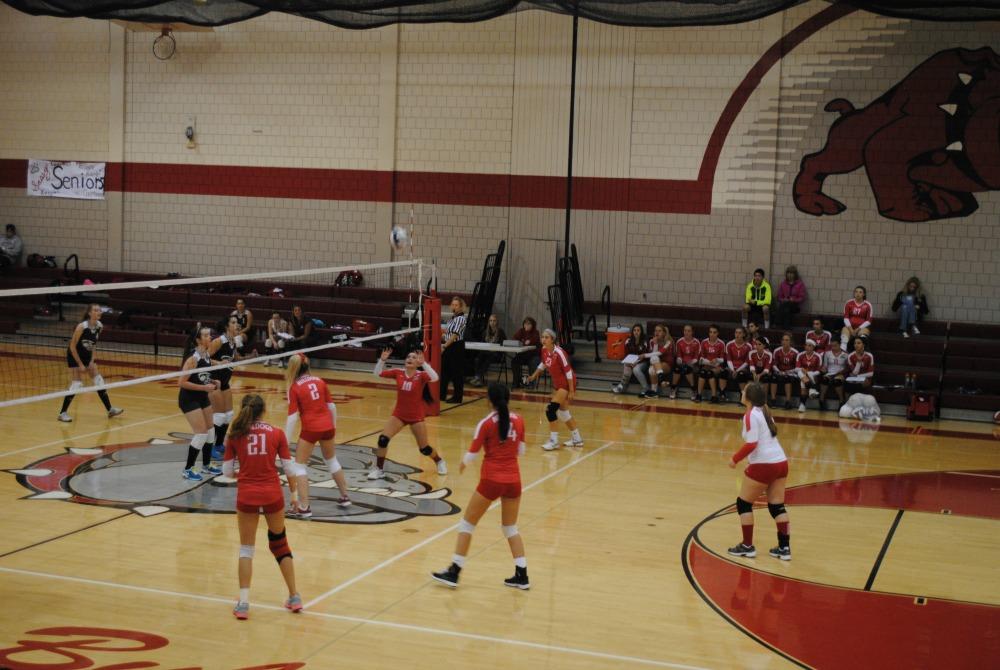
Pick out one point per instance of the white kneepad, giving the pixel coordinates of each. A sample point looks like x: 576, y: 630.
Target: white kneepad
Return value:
x: 246, y: 551
x: 218, y: 418
x: 229, y: 416
x: 509, y: 531
x: 300, y: 469
x: 564, y: 415
x: 198, y: 440
x: 98, y: 380
x: 75, y: 385
x: 333, y: 465
x: 466, y: 527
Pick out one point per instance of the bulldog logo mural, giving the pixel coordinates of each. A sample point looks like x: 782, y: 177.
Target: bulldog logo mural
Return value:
x: 927, y: 144
x: 145, y: 477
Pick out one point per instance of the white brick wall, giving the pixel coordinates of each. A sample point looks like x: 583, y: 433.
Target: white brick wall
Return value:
x: 59, y: 227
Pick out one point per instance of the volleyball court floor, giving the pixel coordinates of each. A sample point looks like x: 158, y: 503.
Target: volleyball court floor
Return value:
x: 108, y: 557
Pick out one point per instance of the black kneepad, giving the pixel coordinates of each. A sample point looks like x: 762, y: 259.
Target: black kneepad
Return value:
x: 776, y: 510
x: 427, y: 451
x: 550, y: 411
x: 742, y: 506
x: 383, y: 441
x: 704, y: 373
x: 683, y: 369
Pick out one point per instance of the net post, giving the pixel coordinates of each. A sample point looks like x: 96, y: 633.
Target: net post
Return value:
x: 432, y: 347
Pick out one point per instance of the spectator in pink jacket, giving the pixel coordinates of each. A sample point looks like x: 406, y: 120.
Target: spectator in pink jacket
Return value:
x: 791, y: 295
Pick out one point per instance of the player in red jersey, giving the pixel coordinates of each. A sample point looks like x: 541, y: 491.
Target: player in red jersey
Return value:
x: 255, y: 445
x: 860, y: 368
x: 556, y: 361
x: 410, y: 409
x: 712, y: 365
x: 309, y: 402
x: 857, y: 317
x: 738, y: 352
x: 819, y: 336
x: 760, y: 362
x: 688, y: 352
x: 783, y: 370
x: 501, y: 437
x: 808, y: 367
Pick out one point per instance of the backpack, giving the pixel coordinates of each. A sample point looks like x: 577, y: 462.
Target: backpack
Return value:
x: 921, y: 407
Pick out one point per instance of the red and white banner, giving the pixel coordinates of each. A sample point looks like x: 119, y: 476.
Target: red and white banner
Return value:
x: 68, y: 179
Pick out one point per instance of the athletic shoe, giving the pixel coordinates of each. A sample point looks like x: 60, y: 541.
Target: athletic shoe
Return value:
x: 723, y: 399
x: 211, y: 470
x: 696, y: 397
x: 454, y: 401
x: 788, y: 404
x: 292, y: 512
x: 673, y: 394
x: 905, y: 334
x: 304, y: 513
x: 376, y: 473
x: 191, y: 475
x: 813, y: 393
x: 344, y: 502
x: 241, y: 611
x: 267, y: 363
x: 218, y: 451
x: 65, y: 417
x: 519, y: 580
x: 448, y: 576
x: 551, y: 445
x: 572, y: 443
x: 802, y: 407
x: 617, y: 388
x: 916, y: 331
x: 714, y: 400
x: 115, y: 411
x: 294, y: 603
x: 773, y: 403
x: 784, y: 553
x: 649, y: 393
x: 442, y: 467
x: 822, y: 406
x: 747, y: 551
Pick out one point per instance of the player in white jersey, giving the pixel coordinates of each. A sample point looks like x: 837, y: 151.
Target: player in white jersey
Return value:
x: 767, y: 472
x: 834, y: 372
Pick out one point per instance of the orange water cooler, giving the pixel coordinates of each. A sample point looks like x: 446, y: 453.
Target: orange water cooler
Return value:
x: 617, y: 335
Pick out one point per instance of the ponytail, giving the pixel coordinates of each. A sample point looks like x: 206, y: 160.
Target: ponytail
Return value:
x: 499, y: 396
x: 298, y: 365
x: 251, y: 409
x: 758, y: 398
x: 771, y: 426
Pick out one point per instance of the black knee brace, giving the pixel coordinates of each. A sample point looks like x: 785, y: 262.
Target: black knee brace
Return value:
x: 837, y: 381
x: 550, y: 411
x: 278, y: 544
x: 427, y: 451
x: 776, y: 510
x: 383, y: 441
x: 742, y: 506
x: 683, y: 369
x: 661, y: 377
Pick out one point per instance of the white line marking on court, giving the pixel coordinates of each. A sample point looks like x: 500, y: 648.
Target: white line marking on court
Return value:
x: 372, y: 622
x: 96, y: 432
x: 389, y: 561
x: 972, y: 474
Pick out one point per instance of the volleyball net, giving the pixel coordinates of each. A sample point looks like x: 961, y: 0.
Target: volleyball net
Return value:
x: 147, y: 323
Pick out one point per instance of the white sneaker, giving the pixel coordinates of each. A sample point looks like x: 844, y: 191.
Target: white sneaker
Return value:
x: 617, y: 388
x: 572, y: 443
x: 115, y: 411
x: 802, y: 407
x: 916, y: 331
x: 813, y: 393
x: 442, y: 467
x: 905, y: 334
x: 65, y: 417
x: 376, y: 473
x: 551, y: 445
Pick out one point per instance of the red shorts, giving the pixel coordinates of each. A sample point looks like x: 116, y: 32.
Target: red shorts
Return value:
x: 492, y: 490
x: 312, y: 437
x: 275, y: 505
x: 408, y: 420
x: 765, y: 473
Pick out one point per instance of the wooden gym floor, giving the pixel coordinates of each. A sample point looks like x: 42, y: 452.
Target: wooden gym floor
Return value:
x: 894, y: 536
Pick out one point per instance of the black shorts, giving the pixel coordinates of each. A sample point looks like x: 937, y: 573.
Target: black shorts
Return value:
x: 85, y: 358
x: 686, y: 368
x: 738, y: 376
x: 835, y: 380
x: 707, y: 372
x: 190, y: 401
x: 223, y: 377
x: 765, y: 378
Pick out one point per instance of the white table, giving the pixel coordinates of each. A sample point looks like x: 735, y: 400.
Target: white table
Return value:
x: 489, y: 347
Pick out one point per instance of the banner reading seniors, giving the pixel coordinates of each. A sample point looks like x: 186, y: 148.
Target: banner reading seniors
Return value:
x: 56, y: 179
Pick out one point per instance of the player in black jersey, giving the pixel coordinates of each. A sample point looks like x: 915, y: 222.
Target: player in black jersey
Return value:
x: 193, y: 401
x: 244, y: 317
x: 226, y: 348
x: 80, y: 360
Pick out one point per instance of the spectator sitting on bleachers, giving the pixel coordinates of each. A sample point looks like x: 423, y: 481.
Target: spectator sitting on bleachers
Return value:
x: 661, y: 358
x: 783, y: 370
x: 244, y: 319
x: 687, y: 352
x: 857, y: 317
x: 860, y: 368
x: 492, y: 335
x: 808, y: 367
x: 834, y: 372
x: 819, y: 336
x: 791, y: 296
x: 754, y: 334
x: 738, y: 352
x: 760, y: 362
x: 278, y: 334
x: 712, y: 365
x: 302, y: 330
x: 757, y: 299
x: 11, y: 247
x: 528, y: 336
x: 635, y: 364
x: 911, y: 303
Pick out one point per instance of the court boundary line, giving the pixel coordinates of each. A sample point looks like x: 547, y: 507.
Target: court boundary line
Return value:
x: 363, y: 620
x: 91, y: 434
x: 66, y: 534
x: 436, y: 536
x: 882, y: 552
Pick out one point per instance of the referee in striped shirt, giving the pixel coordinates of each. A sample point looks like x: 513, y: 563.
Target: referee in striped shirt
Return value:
x: 453, y: 353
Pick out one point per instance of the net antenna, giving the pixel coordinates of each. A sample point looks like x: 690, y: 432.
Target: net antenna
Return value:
x: 146, y: 324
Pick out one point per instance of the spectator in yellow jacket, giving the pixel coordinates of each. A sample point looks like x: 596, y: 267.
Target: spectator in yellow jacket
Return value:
x: 757, y: 303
